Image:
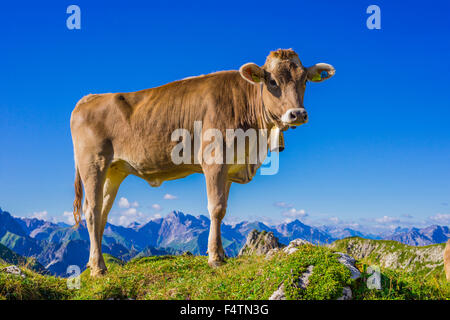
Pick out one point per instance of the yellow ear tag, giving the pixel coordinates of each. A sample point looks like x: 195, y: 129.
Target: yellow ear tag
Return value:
x: 317, y: 77
x: 255, y: 78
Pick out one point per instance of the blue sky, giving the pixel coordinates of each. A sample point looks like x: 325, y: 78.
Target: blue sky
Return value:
x: 376, y: 150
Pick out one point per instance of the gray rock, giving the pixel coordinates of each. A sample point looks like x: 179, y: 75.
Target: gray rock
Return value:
x: 290, y: 250
x: 349, y: 262
x: 346, y: 294
x: 271, y: 253
x: 303, y: 281
x: 294, y: 244
x: 299, y: 242
x: 278, y: 294
x: 259, y: 243
x: 14, y: 270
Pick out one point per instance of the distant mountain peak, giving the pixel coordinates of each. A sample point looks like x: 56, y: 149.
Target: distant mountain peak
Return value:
x: 133, y: 225
x: 421, y: 237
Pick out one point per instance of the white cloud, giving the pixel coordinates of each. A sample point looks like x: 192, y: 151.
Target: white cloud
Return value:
x: 124, y: 221
x: 135, y: 204
x: 169, y: 196
x: 387, y: 220
x: 124, y: 203
x: 69, y: 217
x: 440, y: 218
x: 66, y: 217
x: 334, y: 220
x: 289, y: 211
x: 127, y: 217
x: 293, y: 214
x: 156, y: 206
x: 130, y: 212
x: 282, y: 204
x: 42, y: 215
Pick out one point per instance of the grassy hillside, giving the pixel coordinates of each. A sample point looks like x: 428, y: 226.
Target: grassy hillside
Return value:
x: 247, y: 277
x: 190, y: 277
x: 427, y: 260
x: 8, y: 257
x: 420, y: 269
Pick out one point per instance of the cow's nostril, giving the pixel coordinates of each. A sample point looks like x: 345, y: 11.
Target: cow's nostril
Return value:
x: 293, y: 115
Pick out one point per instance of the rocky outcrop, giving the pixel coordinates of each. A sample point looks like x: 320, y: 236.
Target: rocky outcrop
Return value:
x: 303, y: 280
x: 14, y: 270
x: 278, y: 294
x: 349, y: 263
x: 391, y: 254
x: 260, y: 243
x: 294, y: 244
x: 346, y: 294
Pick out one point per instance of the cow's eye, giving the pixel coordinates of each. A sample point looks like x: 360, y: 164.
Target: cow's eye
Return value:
x: 273, y: 83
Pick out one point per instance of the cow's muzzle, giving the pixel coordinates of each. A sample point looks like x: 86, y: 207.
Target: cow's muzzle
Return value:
x: 295, y: 117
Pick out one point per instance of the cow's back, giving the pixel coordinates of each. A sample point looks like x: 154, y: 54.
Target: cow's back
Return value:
x: 139, y: 124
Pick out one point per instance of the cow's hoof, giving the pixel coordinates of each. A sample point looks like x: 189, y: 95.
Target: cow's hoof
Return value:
x: 95, y: 273
x: 216, y: 263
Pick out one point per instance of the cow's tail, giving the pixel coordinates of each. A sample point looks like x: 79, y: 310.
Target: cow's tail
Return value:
x: 78, y: 197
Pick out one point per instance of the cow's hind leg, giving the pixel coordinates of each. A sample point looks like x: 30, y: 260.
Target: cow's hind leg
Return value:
x: 217, y: 188
x: 93, y: 173
x: 114, y: 178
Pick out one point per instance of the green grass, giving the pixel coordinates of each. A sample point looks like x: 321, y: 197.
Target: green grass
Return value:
x: 33, y: 287
x: 418, y: 272
x: 401, y: 285
x: 7, y: 256
x: 190, y: 277
x: 247, y: 277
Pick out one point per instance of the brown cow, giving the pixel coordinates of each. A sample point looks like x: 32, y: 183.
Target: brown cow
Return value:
x: 117, y: 134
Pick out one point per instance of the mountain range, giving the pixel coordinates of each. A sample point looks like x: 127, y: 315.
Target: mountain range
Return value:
x: 58, y: 245
x: 421, y: 237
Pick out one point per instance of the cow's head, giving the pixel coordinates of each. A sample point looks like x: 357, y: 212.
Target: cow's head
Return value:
x: 284, y: 82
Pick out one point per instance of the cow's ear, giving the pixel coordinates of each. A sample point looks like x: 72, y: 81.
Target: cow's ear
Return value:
x: 320, y: 72
x: 252, y: 73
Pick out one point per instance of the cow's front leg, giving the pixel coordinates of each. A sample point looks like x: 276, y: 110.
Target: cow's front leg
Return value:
x: 217, y: 188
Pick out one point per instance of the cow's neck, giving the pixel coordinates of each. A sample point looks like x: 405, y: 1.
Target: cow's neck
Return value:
x: 268, y: 120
